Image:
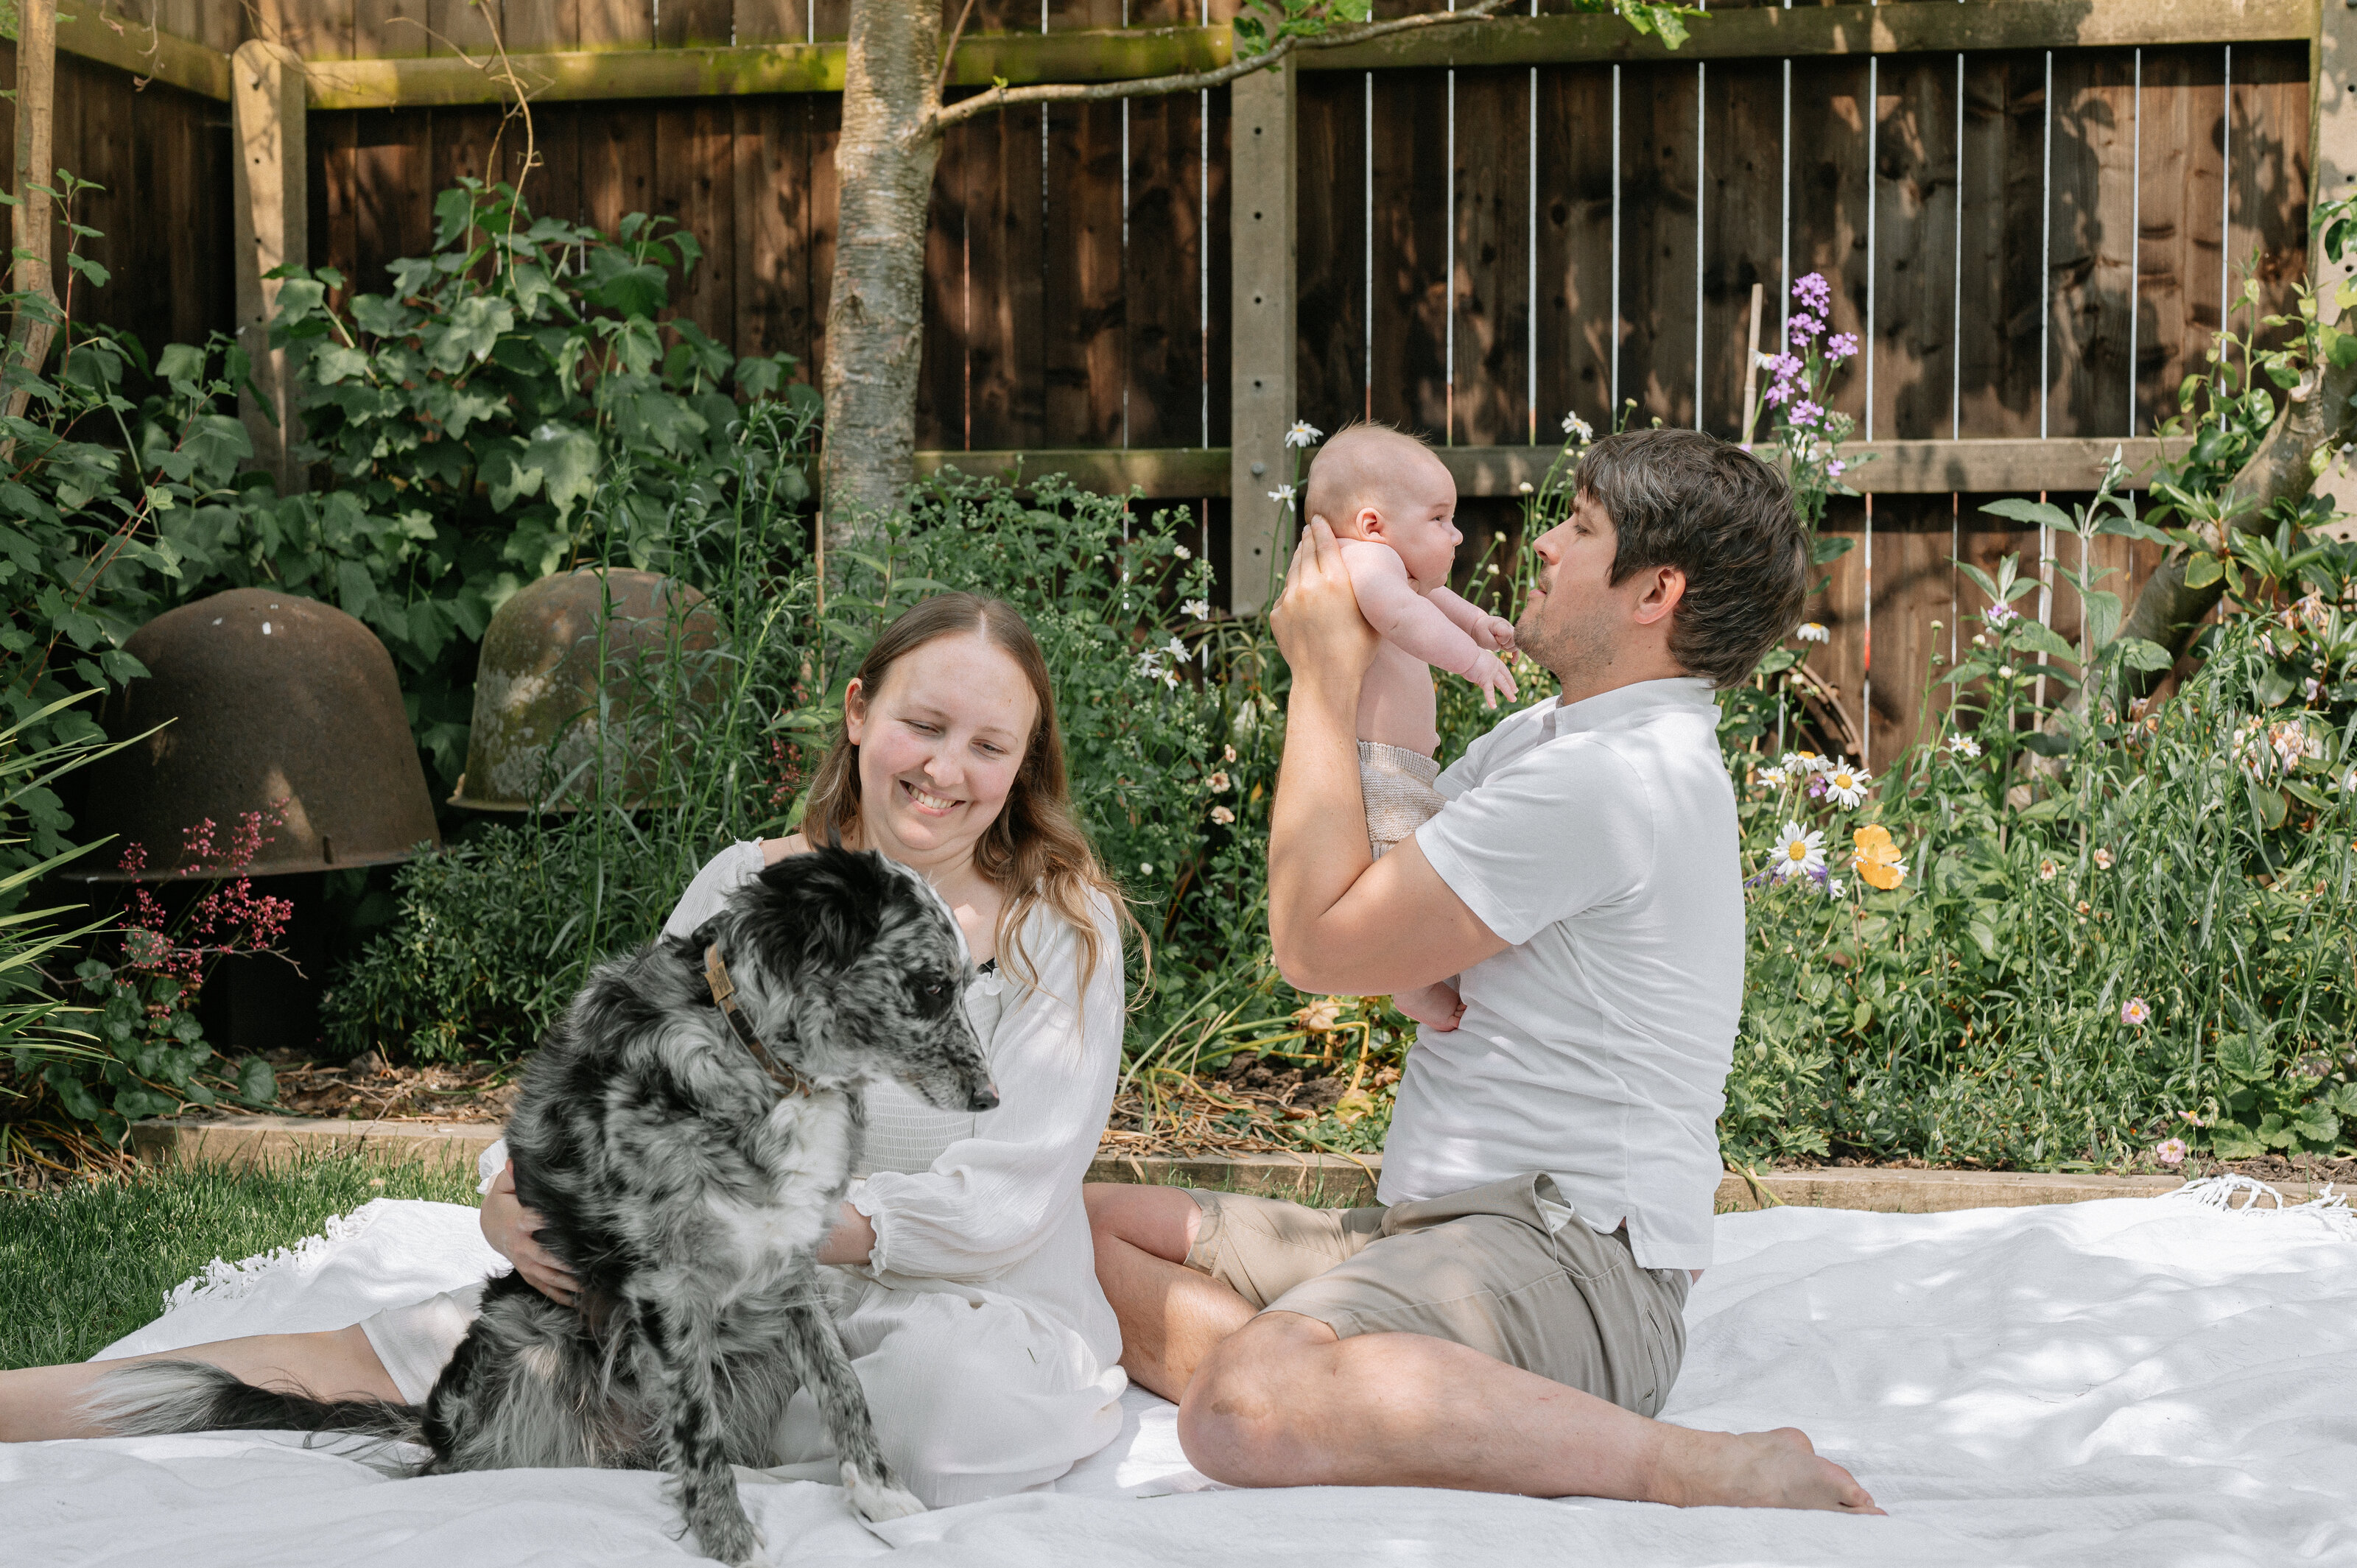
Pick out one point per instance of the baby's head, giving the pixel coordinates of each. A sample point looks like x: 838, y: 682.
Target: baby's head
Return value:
x: 1375, y: 483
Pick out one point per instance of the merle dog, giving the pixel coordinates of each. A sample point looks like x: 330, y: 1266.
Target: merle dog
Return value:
x: 687, y: 1131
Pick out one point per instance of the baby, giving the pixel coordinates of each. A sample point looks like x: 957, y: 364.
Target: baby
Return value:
x: 1392, y: 505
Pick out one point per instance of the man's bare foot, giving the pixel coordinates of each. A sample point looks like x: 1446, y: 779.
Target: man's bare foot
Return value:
x: 1435, y: 1006
x: 1777, y: 1469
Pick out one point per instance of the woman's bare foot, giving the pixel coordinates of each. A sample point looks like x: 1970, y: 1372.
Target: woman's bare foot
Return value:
x: 1777, y: 1469
x: 1436, y: 1005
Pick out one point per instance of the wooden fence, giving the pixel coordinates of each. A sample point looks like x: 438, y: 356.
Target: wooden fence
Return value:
x: 2033, y: 212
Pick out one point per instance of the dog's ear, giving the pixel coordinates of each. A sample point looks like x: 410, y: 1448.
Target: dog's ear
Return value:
x: 819, y: 910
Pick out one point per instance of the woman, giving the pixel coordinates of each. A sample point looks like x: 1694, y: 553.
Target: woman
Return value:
x: 966, y: 1292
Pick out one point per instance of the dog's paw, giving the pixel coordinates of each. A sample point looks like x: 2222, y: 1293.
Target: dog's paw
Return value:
x: 727, y: 1535
x: 877, y: 1500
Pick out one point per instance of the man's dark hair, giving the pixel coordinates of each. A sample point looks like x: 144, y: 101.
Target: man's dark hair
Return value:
x: 1684, y: 499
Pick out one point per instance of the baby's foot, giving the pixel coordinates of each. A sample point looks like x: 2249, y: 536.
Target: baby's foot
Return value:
x: 1437, y: 1006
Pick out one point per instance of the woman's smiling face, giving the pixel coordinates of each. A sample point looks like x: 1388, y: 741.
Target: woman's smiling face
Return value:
x: 940, y: 743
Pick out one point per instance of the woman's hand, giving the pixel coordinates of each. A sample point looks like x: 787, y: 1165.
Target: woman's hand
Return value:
x: 1317, y: 620
x: 514, y: 1232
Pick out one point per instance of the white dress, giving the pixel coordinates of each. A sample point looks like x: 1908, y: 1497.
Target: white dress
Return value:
x: 977, y: 1327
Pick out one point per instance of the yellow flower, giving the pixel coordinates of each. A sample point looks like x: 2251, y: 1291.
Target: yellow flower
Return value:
x: 1877, y: 857
x: 1321, y: 1015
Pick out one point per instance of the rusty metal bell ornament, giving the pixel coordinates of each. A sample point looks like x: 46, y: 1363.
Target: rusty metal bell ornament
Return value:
x: 268, y: 702
x: 548, y: 732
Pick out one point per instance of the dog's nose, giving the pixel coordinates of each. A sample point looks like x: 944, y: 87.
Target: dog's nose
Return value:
x: 984, y: 1098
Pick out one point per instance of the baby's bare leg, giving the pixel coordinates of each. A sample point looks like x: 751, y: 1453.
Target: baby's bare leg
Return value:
x: 41, y: 1403
x: 1437, y: 1006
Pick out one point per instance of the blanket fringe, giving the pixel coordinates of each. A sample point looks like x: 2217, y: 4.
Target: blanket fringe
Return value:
x: 2221, y: 1192
x: 230, y: 1282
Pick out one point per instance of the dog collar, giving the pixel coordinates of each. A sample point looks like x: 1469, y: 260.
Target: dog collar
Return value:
x: 724, y: 996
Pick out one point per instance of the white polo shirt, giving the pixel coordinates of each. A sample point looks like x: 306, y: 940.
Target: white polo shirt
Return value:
x: 1600, y: 840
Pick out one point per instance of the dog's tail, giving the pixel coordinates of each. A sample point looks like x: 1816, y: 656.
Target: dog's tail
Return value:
x: 148, y: 1398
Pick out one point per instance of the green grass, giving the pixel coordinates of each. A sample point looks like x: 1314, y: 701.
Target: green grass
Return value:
x: 82, y: 1267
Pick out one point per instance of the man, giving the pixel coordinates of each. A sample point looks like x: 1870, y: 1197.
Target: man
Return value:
x: 1511, y: 1320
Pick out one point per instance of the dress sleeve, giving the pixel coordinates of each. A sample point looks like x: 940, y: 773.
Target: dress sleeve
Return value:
x: 991, y: 1198
x: 721, y: 875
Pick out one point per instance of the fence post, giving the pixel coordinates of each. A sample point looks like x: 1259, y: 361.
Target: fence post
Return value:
x: 1261, y: 280
x: 272, y: 213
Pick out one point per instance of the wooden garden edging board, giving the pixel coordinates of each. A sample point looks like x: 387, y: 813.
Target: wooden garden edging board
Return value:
x: 1334, y: 1180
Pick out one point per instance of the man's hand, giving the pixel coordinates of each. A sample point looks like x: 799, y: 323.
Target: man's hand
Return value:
x: 1317, y: 621
x: 1490, y: 674
x: 514, y: 1232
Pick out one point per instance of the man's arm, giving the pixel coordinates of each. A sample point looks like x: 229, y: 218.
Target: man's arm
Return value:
x: 1341, y: 921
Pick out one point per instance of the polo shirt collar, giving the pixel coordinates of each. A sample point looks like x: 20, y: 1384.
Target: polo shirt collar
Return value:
x: 1608, y: 708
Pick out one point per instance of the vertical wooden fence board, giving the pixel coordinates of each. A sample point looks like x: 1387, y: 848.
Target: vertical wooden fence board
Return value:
x: 690, y: 24
x: 393, y: 214
x: 1217, y: 311
x: 1830, y: 175
x: 1839, y: 605
x: 1578, y: 331
x: 617, y: 156
x: 535, y: 26
x: 2094, y: 187
x: 334, y: 193
x: 1913, y: 586
x: 101, y: 102
x: 1658, y: 237
x: 462, y: 142
x: 1007, y: 232
x: 551, y: 186
x: 1329, y: 319
x: 2180, y: 212
x: 941, y: 412
x: 391, y: 29
x: 770, y: 21
x: 615, y: 24
x: 2003, y: 284
x: 456, y: 26
x: 316, y: 29
x: 1743, y: 142
x: 1083, y: 318
x: 1915, y: 250
x: 694, y: 184
x: 1408, y: 371
x: 1163, y: 332
x: 2267, y: 233
x: 1490, y: 290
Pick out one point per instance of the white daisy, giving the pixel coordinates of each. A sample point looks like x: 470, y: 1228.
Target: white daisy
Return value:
x: 1175, y: 649
x: 1198, y: 609
x: 1814, y: 631
x: 1283, y: 493
x: 1774, y: 777
x: 1575, y: 425
x: 1963, y: 746
x: 1798, y: 853
x: 1303, y: 433
x: 1847, y: 784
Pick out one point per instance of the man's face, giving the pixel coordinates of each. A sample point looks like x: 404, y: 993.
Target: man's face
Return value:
x: 1572, y: 618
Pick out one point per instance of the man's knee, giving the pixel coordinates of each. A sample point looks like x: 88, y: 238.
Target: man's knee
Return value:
x: 1161, y: 1220
x: 1244, y: 1414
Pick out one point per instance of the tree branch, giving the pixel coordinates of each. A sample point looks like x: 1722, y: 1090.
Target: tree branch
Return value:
x: 1004, y: 97
x: 949, y: 51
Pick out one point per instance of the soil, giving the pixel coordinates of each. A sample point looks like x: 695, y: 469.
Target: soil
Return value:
x: 1244, y: 1109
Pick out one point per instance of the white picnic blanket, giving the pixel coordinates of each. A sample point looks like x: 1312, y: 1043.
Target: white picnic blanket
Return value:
x: 2138, y: 1383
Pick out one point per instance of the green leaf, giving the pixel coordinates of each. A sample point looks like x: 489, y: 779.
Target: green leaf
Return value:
x: 1830, y: 547
x: 2021, y: 509
x: 2139, y: 654
x: 257, y: 1084
x: 2202, y: 569
x: 2244, y: 1058
x: 2231, y: 1141
x: 2268, y: 803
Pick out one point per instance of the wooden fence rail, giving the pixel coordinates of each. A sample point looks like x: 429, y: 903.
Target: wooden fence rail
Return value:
x: 2035, y: 215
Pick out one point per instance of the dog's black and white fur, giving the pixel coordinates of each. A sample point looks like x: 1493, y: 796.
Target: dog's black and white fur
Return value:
x: 688, y: 1191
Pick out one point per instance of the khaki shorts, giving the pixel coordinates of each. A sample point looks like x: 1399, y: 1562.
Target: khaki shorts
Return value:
x: 1480, y: 1268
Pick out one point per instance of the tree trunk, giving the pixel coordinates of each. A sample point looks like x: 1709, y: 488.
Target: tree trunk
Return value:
x: 2169, y: 613
x: 29, y: 222
x: 875, y: 319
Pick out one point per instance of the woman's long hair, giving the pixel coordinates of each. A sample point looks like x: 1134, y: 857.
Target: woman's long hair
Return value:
x: 1035, y: 853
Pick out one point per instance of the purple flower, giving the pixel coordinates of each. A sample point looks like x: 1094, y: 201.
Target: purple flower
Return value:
x: 1805, y: 413
x: 2001, y: 616
x: 1804, y: 330
x: 1813, y: 291
x: 1816, y: 787
x: 1842, y: 347
x: 1833, y: 469
x: 1780, y: 392
x: 1788, y: 367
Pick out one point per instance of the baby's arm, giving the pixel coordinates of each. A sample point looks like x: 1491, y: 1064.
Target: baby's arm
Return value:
x: 1493, y: 632
x: 1410, y: 621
